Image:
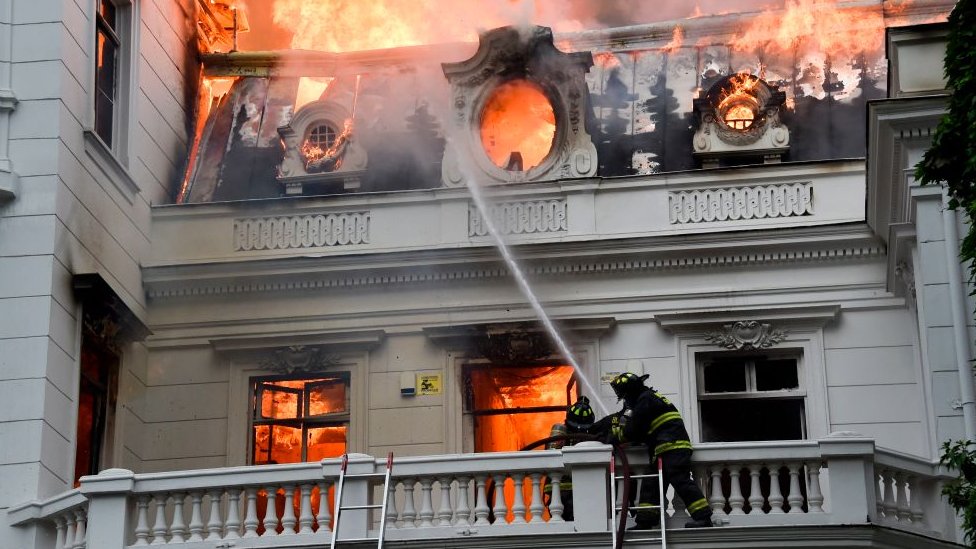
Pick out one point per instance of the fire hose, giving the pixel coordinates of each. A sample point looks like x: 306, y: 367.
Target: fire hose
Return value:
x: 618, y: 452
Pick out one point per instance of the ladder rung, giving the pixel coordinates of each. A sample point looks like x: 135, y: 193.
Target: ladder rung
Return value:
x: 343, y: 540
x: 641, y: 539
x: 365, y: 475
x: 635, y: 509
x: 632, y: 477
x: 347, y: 507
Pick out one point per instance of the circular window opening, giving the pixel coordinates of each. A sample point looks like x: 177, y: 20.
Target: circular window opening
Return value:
x: 739, y: 115
x: 517, y: 125
x: 321, y: 136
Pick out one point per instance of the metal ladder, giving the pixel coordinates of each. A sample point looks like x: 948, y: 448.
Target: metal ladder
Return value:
x: 339, y: 507
x: 619, y: 541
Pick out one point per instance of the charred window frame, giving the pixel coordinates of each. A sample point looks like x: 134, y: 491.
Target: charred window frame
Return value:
x: 751, y: 397
x: 97, y: 394
x: 322, y: 134
x: 268, y: 393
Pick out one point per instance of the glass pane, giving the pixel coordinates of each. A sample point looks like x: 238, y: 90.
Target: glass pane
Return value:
x: 106, y: 10
x: 512, y: 432
x: 776, y: 375
x: 326, y: 442
x: 751, y: 420
x: 724, y: 377
x: 278, y: 403
x: 328, y: 397
x: 277, y: 444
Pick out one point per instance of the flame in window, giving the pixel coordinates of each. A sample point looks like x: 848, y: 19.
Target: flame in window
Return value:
x: 517, y: 125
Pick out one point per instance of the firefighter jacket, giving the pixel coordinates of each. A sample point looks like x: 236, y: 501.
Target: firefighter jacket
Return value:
x: 651, y: 419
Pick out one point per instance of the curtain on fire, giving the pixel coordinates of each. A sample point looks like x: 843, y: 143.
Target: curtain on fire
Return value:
x: 513, y: 406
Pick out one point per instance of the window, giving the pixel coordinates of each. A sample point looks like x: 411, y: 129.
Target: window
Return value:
x: 97, y: 391
x: 295, y: 420
x: 512, y: 406
x: 107, y: 56
x: 322, y: 136
x: 751, y: 397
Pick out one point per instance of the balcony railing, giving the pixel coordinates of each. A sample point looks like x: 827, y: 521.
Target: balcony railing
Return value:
x: 834, y: 481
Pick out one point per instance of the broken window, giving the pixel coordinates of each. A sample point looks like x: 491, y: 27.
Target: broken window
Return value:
x: 295, y: 420
x: 750, y: 398
x: 97, y: 390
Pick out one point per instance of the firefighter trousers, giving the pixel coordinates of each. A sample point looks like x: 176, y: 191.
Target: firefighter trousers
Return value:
x: 676, y: 466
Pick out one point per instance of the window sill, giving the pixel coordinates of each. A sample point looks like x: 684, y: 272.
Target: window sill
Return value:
x: 106, y: 161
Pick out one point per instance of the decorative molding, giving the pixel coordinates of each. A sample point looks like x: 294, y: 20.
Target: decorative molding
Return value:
x: 355, y: 340
x: 905, y: 274
x: 235, y: 285
x: 746, y: 335
x: 105, y: 317
x: 537, y: 216
x: 301, y: 231
x: 735, y: 203
x: 299, y: 359
x: 513, y: 344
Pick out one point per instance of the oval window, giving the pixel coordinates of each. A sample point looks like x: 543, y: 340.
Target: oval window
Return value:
x: 517, y: 125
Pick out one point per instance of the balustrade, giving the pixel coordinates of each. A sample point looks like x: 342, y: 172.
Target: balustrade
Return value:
x: 832, y: 481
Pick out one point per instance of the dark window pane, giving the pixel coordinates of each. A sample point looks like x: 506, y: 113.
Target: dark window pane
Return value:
x: 751, y: 420
x: 106, y: 12
x: 105, y: 86
x: 776, y: 375
x: 725, y: 377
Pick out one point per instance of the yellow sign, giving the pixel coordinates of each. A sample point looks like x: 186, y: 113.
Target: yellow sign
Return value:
x: 428, y: 384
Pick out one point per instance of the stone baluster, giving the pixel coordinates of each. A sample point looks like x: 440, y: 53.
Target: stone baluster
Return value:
x: 535, y: 504
x: 445, y: 512
x: 795, y: 498
x: 323, y: 517
x: 915, y: 512
x: 232, y: 526
x: 736, y: 500
x: 500, y: 508
x: 142, y: 520
x: 59, y: 524
x: 889, y: 505
x: 901, y: 498
x: 716, y: 499
x: 196, y: 517
x: 426, y: 502
x: 271, y: 512
x: 214, y: 524
x: 556, y: 506
x: 756, y: 498
x: 878, y: 496
x: 409, y: 511
x: 69, y: 530
x: 288, y: 520
x: 251, y: 514
x: 80, y: 520
x: 518, y: 504
x: 775, y: 493
x: 481, y: 509
x: 177, y: 529
x: 159, y: 525
x: 389, y: 521
x: 815, y: 496
x: 305, y: 517
x: 463, y: 511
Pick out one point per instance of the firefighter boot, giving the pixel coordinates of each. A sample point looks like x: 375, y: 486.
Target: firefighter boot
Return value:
x: 700, y: 520
x: 646, y: 517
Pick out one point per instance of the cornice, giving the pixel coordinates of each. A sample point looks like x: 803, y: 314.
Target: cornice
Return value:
x: 615, y: 257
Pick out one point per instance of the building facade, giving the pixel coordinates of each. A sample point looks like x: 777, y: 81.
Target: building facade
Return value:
x: 212, y: 286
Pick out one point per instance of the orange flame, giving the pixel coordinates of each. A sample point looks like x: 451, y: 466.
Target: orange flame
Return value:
x: 738, y: 101
x: 677, y: 38
x: 313, y: 153
x: 518, y: 120
x: 606, y: 60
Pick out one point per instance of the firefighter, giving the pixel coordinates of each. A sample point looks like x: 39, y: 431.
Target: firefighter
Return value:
x: 579, y: 419
x: 649, y: 418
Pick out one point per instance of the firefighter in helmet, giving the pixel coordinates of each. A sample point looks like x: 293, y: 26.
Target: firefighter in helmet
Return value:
x: 579, y: 419
x: 649, y: 418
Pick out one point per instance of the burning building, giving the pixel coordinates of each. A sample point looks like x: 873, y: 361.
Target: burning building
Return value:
x: 225, y: 266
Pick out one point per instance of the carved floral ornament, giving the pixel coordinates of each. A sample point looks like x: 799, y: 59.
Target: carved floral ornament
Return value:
x: 297, y: 359
x: 746, y: 335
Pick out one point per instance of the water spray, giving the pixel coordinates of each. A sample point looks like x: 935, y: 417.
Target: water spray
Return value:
x: 526, y: 290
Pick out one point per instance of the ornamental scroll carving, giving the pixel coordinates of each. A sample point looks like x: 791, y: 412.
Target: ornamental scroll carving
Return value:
x: 746, y: 335
x: 541, y: 216
x: 730, y: 204
x: 301, y: 231
x: 298, y: 359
